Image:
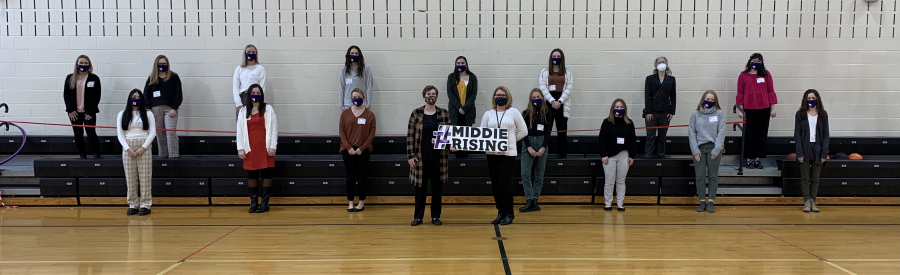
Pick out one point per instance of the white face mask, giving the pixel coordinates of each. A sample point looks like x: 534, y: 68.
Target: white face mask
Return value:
x: 661, y: 67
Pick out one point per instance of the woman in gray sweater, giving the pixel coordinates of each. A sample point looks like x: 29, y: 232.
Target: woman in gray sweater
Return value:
x: 354, y: 75
x: 706, y: 134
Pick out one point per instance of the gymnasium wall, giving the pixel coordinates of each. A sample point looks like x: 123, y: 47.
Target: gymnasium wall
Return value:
x: 848, y: 50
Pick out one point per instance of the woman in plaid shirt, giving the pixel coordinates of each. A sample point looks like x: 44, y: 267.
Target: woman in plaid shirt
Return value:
x: 425, y: 162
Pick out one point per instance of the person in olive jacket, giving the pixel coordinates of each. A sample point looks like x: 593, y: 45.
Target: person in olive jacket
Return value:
x: 81, y: 92
x: 462, y: 89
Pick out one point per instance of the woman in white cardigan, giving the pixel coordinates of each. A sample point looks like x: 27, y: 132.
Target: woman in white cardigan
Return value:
x: 136, y: 131
x: 556, y: 82
x: 257, y: 138
x: 500, y: 164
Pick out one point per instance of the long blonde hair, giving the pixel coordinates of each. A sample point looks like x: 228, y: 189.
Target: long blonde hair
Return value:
x: 244, y: 57
x: 508, y: 96
x: 74, y: 78
x: 530, y: 110
x: 715, y: 97
x: 612, y: 115
x: 154, y: 74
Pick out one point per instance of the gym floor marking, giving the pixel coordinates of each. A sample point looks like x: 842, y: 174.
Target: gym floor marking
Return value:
x: 456, y: 259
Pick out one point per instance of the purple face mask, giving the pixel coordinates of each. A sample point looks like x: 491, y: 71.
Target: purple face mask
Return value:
x: 537, y: 102
x: 619, y: 112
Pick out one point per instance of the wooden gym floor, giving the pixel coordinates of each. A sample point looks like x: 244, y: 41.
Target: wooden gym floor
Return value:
x: 561, y: 239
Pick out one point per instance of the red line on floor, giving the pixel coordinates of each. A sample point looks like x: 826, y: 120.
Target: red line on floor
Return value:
x: 201, y: 249
x: 777, y: 238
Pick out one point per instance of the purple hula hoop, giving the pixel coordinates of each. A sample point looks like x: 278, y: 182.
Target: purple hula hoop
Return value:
x: 24, y: 137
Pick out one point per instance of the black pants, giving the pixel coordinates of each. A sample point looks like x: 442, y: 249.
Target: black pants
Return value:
x: 562, y: 124
x: 656, y: 137
x: 265, y: 173
x: 357, y: 173
x: 431, y: 173
x: 500, y: 168
x: 757, y: 133
x: 91, y: 132
x: 461, y: 121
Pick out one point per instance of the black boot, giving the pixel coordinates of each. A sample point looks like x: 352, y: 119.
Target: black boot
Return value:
x: 254, y: 198
x: 498, y: 219
x: 535, y: 206
x: 264, y: 204
x: 528, y: 205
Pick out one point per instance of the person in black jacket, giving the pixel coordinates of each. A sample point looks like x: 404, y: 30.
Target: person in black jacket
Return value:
x: 659, y: 107
x: 81, y: 93
x: 617, y: 148
x: 163, y: 92
x: 811, y: 138
x: 534, y: 152
x: 462, y: 89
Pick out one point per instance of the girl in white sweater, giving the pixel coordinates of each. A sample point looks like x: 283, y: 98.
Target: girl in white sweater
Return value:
x: 500, y: 164
x: 248, y: 73
x: 136, y: 131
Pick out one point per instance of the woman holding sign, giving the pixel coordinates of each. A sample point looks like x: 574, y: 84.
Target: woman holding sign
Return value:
x: 357, y: 129
x: 500, y: 164
x: 539, y: 120
x: 426, y: 163
x: 617, y: 148
x: 556, y: 84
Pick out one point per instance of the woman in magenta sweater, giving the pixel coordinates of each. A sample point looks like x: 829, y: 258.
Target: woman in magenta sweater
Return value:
x: 756, y: 94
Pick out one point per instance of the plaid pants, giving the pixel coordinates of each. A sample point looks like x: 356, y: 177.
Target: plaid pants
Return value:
x: 138, y: 172
x: 167, y: 142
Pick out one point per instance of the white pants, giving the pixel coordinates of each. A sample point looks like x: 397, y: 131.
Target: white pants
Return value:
x: 615, y: 171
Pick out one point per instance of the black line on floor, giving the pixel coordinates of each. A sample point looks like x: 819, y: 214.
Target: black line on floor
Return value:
x: 448, y: 224
x: 502, y: 250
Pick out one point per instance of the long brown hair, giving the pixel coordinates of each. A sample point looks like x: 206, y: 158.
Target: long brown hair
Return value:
x: 154, y: 74
x: 804, y: 108
x: 74, y: 78
x: 508, y: 96
x: 362, y: 62
x: 562, y: 62
x: 456, y: 72
x: 248, y: 104
x: 530, y: 110
x: 702, y: 98
x: 612, y: 115
x: 244, y: 57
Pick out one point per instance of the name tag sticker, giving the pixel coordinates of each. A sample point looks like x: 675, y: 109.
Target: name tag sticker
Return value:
x: 760, y: 80
x: 254, y: 76
x: 620, y: 140
x: 361, y: 121
x: 90, y: 84
x: 540, y: 127
x: 552, y: 88
x: 713, y: 119
x: 348, y: 81
x: 157, y: 94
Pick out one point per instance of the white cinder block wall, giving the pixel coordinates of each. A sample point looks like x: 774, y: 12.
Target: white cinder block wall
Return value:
x: 848, y: 50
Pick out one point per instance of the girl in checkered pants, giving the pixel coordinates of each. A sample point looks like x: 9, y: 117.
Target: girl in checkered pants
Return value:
x: 136, y: 133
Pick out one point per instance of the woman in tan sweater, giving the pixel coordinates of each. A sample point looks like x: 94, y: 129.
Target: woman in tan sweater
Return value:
x: 357, y: 129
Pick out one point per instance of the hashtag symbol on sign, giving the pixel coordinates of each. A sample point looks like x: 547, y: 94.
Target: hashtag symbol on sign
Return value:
x: 441, y: 137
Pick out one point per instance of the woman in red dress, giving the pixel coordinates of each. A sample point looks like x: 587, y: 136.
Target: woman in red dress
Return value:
x: 257, y: 138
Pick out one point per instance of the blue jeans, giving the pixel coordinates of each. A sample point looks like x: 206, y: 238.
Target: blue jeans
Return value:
x: 533, y: 187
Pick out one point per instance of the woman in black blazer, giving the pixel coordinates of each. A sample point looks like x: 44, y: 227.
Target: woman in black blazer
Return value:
x: 81, y: 93
x: 462, y: 88
x: 811, y: 138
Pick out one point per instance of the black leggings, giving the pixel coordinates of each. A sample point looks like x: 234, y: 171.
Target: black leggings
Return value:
x: 357, y: 167
x: 756, y: 133
x: 500, y: 168
x: 265, y: 174
x: 91, y: 133
x: 562, y: 124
